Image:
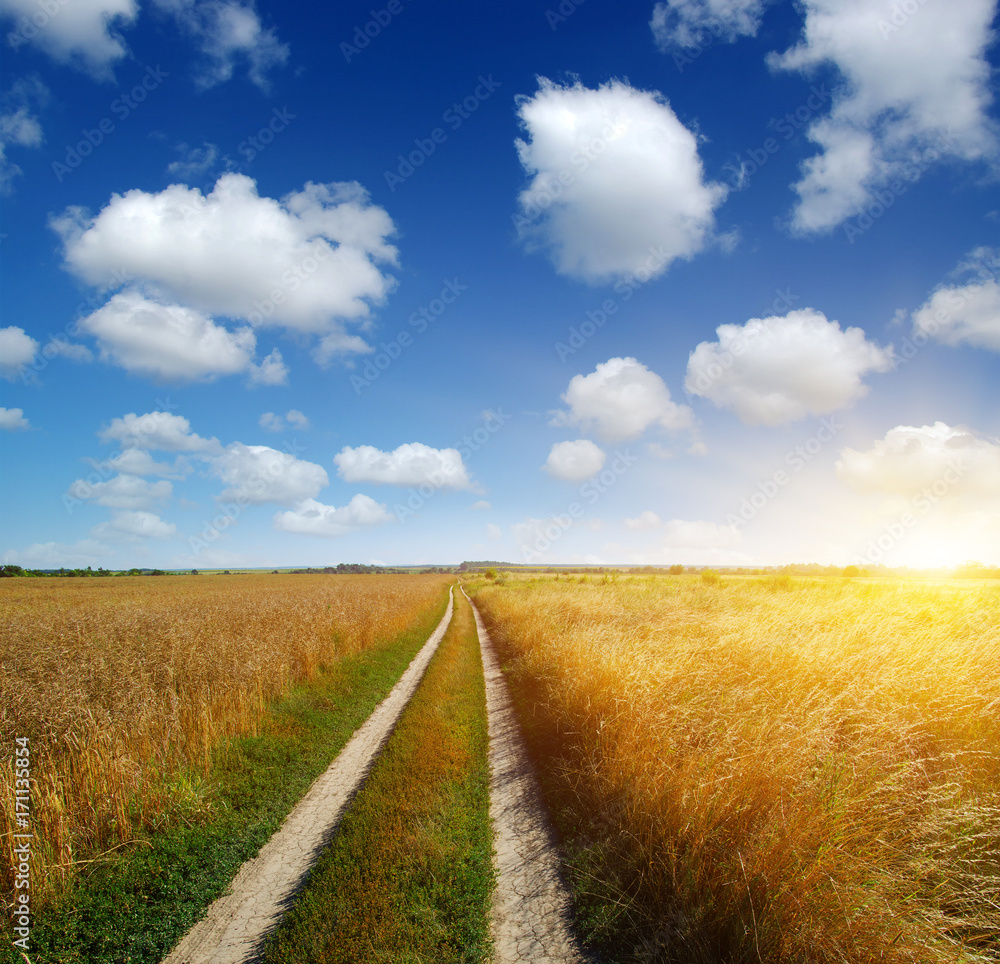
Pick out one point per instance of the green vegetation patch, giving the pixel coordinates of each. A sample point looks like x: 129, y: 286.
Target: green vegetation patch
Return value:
x: 135, y: 906
x: 409, y: 876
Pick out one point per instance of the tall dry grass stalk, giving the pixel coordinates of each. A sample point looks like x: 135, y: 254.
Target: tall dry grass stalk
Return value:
x: 766, y: 771
x: 124, y: 685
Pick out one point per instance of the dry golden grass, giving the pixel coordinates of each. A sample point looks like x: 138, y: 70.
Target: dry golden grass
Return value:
x: 124, y: 684
x: 764, y: 770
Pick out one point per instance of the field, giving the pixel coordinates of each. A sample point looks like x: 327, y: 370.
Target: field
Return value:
x: 124, y: 687
x: 766, y: 769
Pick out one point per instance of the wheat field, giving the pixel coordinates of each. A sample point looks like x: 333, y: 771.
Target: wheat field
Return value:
x: 124, y: 685
x: 764, y: 769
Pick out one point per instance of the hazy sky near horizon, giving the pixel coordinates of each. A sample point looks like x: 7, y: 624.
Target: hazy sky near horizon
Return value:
x: 697, y: 281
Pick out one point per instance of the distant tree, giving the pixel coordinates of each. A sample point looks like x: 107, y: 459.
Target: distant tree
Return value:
x: 675, y: 570
x: 226, y: 572
x: 9, y: 571
x: 851, y: 571
x: 194, y: 572
x: 490, y: 573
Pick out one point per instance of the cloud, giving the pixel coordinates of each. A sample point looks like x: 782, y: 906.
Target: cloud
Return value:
x: 276, y: 423
x: 909, y: 461
x: 481, y: 504
x: 121, y: 492
x: 134, y: 461
x: 174, y: 343
x: 257, y: 474
x: 228, y: 32
x: 620, y: 399
x: 494, y: 531
x: 780, y: 369
x: 965, y: 314
x: 617, y: 184
x: 316, y: 519
x: 196, y: 161
x: 679, y: 24
x: 574, y: 461
x: 410, y: 464
x: 58, y: 555
x: 308, y: 263
x: 644, y: 522
x: 17, y: 349
x: 18, y: 124
x: 156, y: 430
x: 60, y: 347
x: 133, y: 526
x: 915, y: 89
x: 13, y: 420
x: 83, y: 33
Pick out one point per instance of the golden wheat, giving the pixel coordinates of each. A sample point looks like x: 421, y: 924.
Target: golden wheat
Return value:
x: 124, y: 685
x: 771, y: 770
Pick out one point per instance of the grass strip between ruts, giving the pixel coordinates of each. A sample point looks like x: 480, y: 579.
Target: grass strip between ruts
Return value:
x: 134, y: 907
x: 409, y: 876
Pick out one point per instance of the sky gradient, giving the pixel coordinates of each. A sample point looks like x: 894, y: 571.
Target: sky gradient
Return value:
x: 700, y: 281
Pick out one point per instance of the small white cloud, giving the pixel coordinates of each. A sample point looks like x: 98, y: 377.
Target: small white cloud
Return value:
x: 13, y: 420
x: 62, y: 348
x: 494, y: 531
x: 271, y: 422
x: 481, y: 504
x: 140, y: 462
x: 619, y: 400
x: 680, y: 24
x: 156, y: 430
x: 81, y: 33
x: 617, y: 185
x: 780, y: 369
x: 294, y: 417
x: 257, y: 474
x: 410, y: 464
x: 916, y: 88
x: 228, y: 32
x: 271, y: 371
x: 195, y: 161
x: 19, y: 127
x: 969, y: 314
x: 574, y: 461
x: 121, y: 492
x: 132, y: 526
x: 17, y: 349
x: 316, y: 519
x: 168, y: 342
x: 644, y: 522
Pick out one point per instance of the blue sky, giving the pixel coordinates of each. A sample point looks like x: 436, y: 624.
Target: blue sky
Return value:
x: 700, y: 281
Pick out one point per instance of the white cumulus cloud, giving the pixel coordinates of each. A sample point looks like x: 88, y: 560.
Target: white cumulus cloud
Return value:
x: 271, y: 422
x: 963, y: 314
x: 17, y: 348
x: 174, y: 343
x: 915, y: 88
x: 132, y: 526
x: 780, y: 369
x: 574, y: 461
x: 410, y: 464
x: 619, y: 400
x: 310, y: 262
x: 82, y: 33
x: 617, y: 186
x: 256, y: 474
x: 644, y: 522
x: 121, y: 492
x: 161, y: 431
x: 910, y: 460
x: 12, y: 419
x: 314, y: 518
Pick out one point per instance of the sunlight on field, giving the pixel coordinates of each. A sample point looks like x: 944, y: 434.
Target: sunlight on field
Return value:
x: 124, y: 685
x: 768, y: 769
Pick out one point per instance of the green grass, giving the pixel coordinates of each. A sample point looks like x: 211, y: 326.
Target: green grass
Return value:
x: 136, y: 906
x: 409, y: 876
